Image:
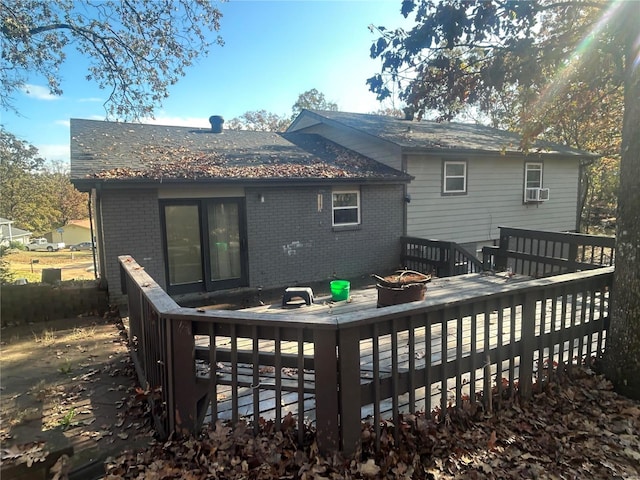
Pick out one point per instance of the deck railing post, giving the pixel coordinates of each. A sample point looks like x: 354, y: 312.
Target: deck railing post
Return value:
x: 404, y: 250
x: 326, y: 379
x: 573, y: 257
x: 489, y: 255
x: 451, y: 263
x: 528, y: 345
x: 349, y: 389
x: 182, y: 396
x: 501, y: 254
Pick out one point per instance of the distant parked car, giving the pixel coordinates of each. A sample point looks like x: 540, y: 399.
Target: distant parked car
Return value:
x: 41, y: 245
x: 81, y: 246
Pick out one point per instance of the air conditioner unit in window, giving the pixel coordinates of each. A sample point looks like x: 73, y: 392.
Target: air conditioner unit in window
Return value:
x: 536, y: 194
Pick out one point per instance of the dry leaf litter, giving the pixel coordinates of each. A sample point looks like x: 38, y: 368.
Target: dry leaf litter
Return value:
x: 575, y: 427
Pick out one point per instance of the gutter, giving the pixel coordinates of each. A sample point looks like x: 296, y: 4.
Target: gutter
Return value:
x: 88, y: 184
x: 441, y: 152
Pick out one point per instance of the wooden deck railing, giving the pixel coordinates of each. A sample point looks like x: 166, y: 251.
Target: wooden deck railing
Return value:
x: 204, y: 365
x: 443, y: 259
x: 540, y: 254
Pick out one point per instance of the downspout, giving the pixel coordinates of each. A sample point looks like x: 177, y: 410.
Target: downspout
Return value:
x: 405, y: 197
x: 93, y: 243
x: 100, y: 246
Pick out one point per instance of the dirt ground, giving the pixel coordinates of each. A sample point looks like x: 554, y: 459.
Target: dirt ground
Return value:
x: 67, y: 383
x: 73, y: 265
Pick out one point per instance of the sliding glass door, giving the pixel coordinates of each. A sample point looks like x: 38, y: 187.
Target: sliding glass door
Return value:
x: 182, y: 231
x: 224, y: 222
x: 205, y: 244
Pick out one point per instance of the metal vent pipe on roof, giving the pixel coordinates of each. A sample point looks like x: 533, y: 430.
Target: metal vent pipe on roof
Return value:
x: 216, y: 122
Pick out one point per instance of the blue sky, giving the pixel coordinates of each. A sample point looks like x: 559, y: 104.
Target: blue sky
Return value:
x: 274, y: 50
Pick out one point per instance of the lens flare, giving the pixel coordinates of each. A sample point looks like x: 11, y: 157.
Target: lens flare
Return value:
x: 584, y: 51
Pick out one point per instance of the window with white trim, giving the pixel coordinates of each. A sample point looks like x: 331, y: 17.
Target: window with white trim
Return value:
x: 533, y: 191
x: 533, y: 175
x: 454, y: 177
x: 346, y: 208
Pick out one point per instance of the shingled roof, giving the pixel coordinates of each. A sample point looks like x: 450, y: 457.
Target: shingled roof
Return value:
x: 425, y: 136
x: 116, y: 152
x: 7, y: 228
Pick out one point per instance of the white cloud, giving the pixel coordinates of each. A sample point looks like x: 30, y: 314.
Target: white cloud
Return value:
x: 54, y: 152
x: 195, y: 122
x: 90, y: 100
x: 38, y: 92
x: 64, y: 123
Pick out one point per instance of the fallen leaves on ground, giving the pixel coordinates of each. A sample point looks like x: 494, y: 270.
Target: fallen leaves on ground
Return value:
x: 574, y: 427
x: 76, y: 402
x: 28, y: 453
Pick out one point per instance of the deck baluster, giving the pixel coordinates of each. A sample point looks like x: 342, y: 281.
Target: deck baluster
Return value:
x: 330, y: 358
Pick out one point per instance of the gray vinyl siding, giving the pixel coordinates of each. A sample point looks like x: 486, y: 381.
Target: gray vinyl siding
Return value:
x: 367, y: 145
x: 494, y: 198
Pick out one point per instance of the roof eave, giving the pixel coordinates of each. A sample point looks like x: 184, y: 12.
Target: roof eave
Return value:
x: 86, y: 185
x: 485, y: 153
x: 439, y: 150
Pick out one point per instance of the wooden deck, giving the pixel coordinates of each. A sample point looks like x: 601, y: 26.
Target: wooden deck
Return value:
x: 439, y: 290
x: 338, y: 362
x: 426, y: 343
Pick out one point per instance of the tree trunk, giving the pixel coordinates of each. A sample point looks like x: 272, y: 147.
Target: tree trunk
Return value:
x: 622, y: 356
x: 582, y: 220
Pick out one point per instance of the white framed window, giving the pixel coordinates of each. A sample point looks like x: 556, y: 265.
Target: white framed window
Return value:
x: 454, y: 177
x: 533, y: 175
x: 533, y: 188
x: 346, y: 207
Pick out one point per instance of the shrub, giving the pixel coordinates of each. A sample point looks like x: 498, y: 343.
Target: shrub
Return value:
x: 17, y: 245
x: 6, y: 275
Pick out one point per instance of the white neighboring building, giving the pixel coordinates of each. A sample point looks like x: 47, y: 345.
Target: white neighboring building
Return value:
x: 9, y: 233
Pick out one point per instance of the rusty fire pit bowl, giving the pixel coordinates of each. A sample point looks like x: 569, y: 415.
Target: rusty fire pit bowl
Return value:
x: 403, y: 287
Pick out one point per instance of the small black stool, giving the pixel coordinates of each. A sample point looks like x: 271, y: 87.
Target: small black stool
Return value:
x: 305, y: 293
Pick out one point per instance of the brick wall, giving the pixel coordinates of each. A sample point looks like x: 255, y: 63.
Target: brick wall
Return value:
x: 291, y: 242
x: 131, y: 222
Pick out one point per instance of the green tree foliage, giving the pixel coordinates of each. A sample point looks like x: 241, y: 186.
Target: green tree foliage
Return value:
x: 259, y: 121
x: 487, y: 53
x: 599, y: 187
x: 135, y: 48
x: 312, y: 100
x: 6, y: 275
x: 590, y: 120
x: 544, y: 68
x: 263, y: 121
x: 36, y: 197
x: 69, y: 203
x: 19, y: 161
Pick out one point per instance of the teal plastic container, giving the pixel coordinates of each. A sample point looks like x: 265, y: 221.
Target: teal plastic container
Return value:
x: 340, y: 290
